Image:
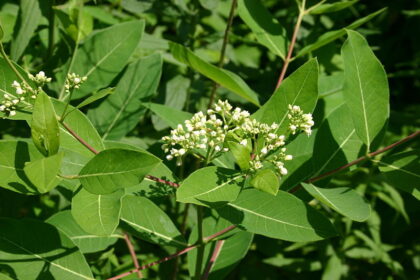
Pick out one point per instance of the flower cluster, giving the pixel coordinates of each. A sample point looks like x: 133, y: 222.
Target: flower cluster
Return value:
x: 74, y: 81
x: 299, y: 120
x: 23, y: 90
x: 206, y: 136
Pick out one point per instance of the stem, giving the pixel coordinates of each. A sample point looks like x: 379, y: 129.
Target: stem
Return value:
x: 51, y: 28
x: 223, y: 50
x: 368, y: 156
x: 177, y: 254
x: 159, y: 180
x: 133, y: 254
x: 78, y: 138
x: 292, y: 44
x: 214, y: 256
x: 200, y: 242
x: 10, y: 63
x: 63, y: 115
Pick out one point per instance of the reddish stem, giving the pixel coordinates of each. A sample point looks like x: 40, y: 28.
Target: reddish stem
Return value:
x: 133, y: 254
x: 216, y: 253
x: 341, y: 168
x: 78, y: 138
x: 159, y: 180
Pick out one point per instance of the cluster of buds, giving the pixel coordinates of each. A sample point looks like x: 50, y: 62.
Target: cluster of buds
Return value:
x: 299, y: 120
x: 73, y: 81
x: 23, y: 90
x: 206, y: 136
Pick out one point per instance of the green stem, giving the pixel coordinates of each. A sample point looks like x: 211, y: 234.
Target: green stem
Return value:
x: 63, y: 115
x: 10, y: 63
x: 200, y: 242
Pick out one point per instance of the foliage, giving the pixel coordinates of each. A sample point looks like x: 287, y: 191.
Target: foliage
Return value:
x: 150, y: 139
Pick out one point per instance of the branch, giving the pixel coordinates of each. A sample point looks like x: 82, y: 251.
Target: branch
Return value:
x: 292, y: 44
x: 370, y: 155
x: 223, y: 50
x: 159, y: 180
x: 177, y: 254
x: 213, y: 258
x: 133, y: 254
x: 78, y: 138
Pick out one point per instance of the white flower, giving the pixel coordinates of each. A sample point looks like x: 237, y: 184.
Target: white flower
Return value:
x: 288, y: 157
x: 12, y: 113
x: 2, y: 108
x: 243, y: 142
x: 169, y: 157
x: 264, y: 150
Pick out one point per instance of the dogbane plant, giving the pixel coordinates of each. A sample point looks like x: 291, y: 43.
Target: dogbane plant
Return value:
x: 264, y: 172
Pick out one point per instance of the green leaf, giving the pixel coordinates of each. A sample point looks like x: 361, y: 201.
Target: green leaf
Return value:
x: 97, y: 214
x: 266, y: 180
x: 300, y: 88
x: 76, y: 155
x: 336, y: 142
x: 210, y: 185
x: 43, y: 172
x: 115, y: 169
x: 30, y: 17
x: 344, y: 200
x: 365, y: 87
x: 332, y: 7
x: 283, y: 216
x: 225, y: 78
x: 1, y: 32
x: 150, y: 222
x: 241, y: 153
x: 234, y: 249
x: 175, y: 97
x: 86, y: 242
x: 266, y: 28
x: 120, y: 113
x: 100, y: 94
x: 44, y: 127
x: 13, y: 156
x: 104, y: 54
x: 170, y: 116
x: 37, y: 250
x: 401, y: 170
x: 335, y: 34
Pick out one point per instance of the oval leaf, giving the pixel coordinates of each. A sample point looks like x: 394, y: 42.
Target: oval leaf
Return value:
x: 97, y: 214
x: 210, y: 185
x: 365, y: 87
x: 149, y: 222
x: 37, y: 250
x: 115, y: 169
x: 343, y: 200
x: 267, y: 30
x: 300, y: 88
x: 225, y: 78
x: 43, y: 172
x: 283, y: 216
x: 44, y: 127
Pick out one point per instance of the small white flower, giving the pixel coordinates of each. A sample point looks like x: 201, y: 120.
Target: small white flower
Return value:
x: 181, y: 151
x: 2, y: 108
x: 217, y: 148
x: 288, y: 157
x: 12, y: 113
x: 243, y: 142
x: 169, y: 157
x: 15, y: 84
x: 264, y: 150
x: 283, y: 171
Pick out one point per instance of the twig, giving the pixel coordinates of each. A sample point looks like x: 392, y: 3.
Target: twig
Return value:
x: 133, y: 254
x: 223, y: 50
x: 159, y: 180
x: 292, y: 44
x: 177, y: 254
x: 370, y: 155
x: 78, y: 138
x: 200, y: 249
x: 216, y: 253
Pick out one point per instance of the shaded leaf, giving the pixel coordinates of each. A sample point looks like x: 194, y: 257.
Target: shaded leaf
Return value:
x: 37, y: 250
x: 97, y: 214
x: 335, y: 34
x: 332, y: 7
x: 87, y: 243
x: 343, y: 200
x: 170, y: 116
x: 150, y: 223
x: 120, y: 113
x: 283, y: 216
x: 266, y: 180
x: 100, y: 94
x: 241, y: 153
